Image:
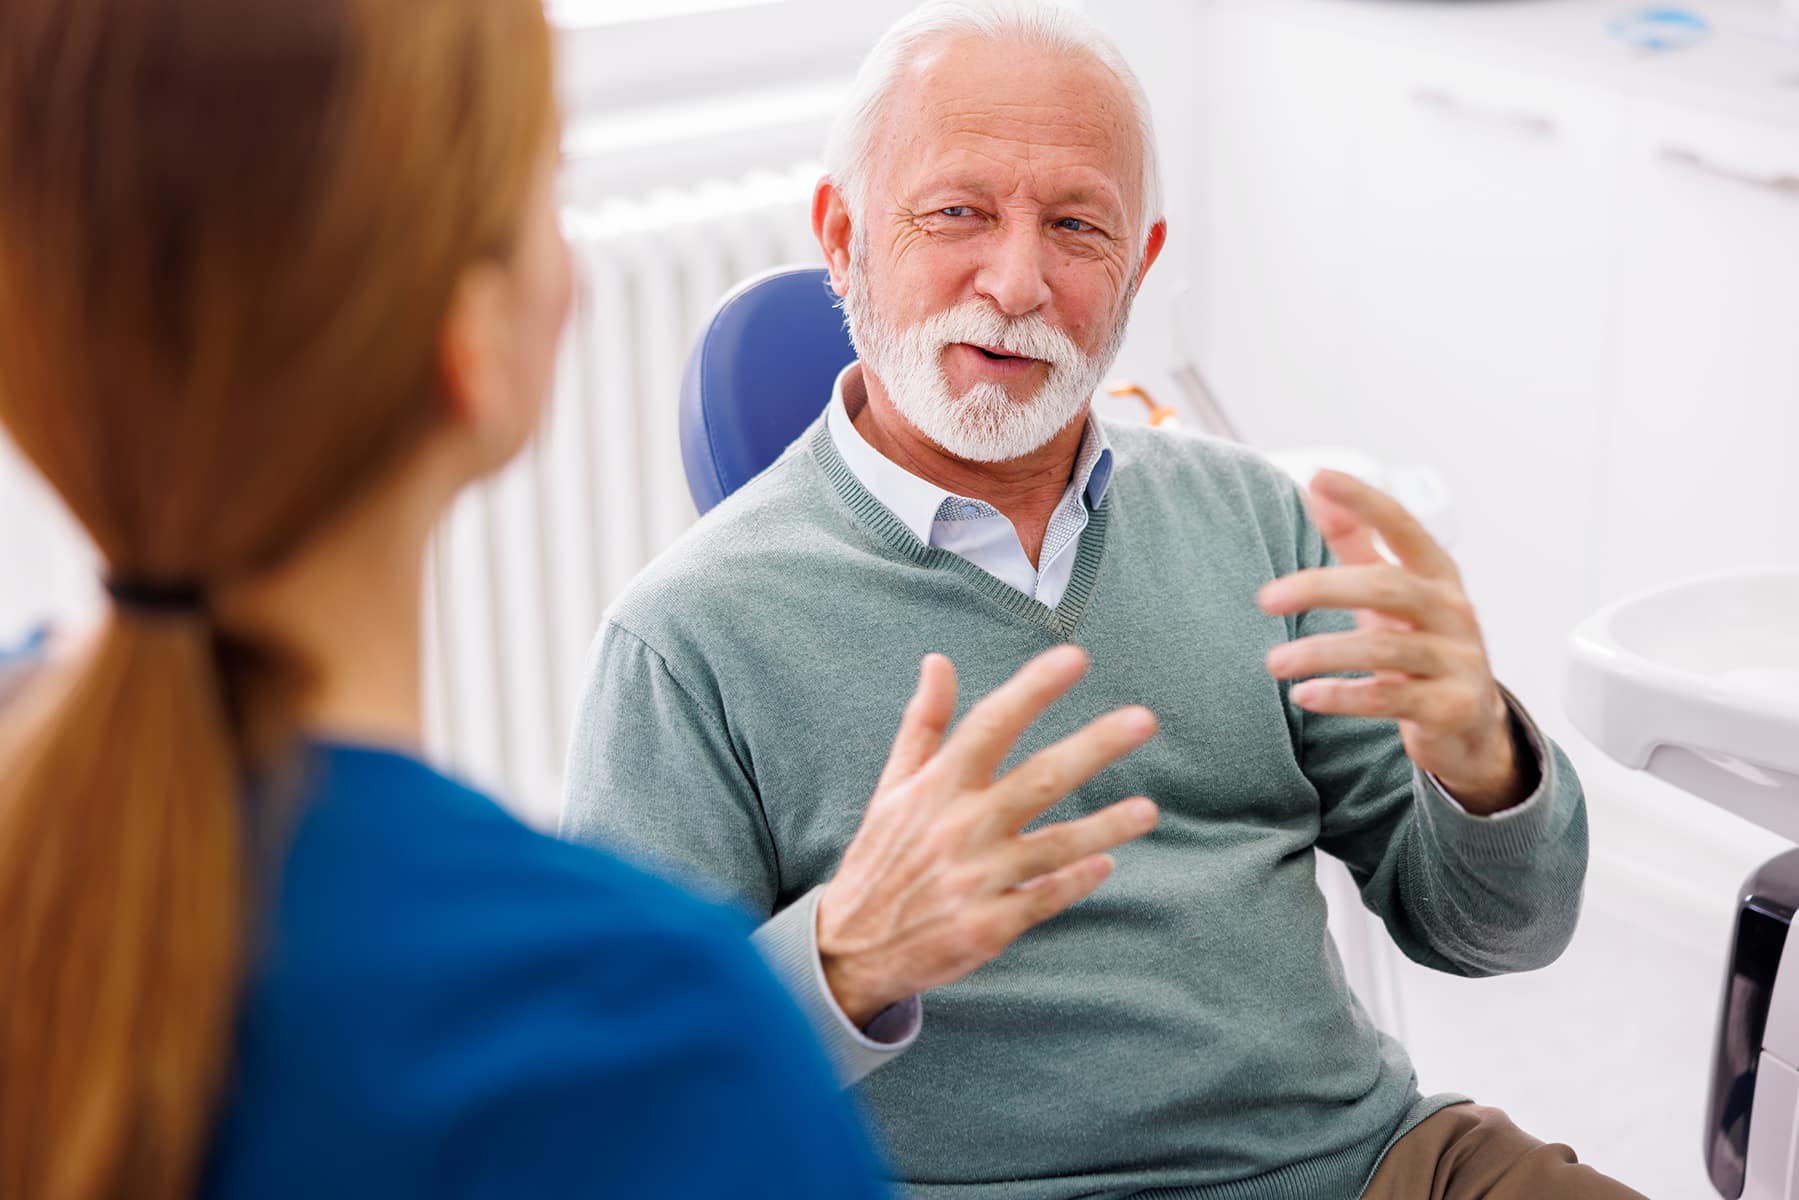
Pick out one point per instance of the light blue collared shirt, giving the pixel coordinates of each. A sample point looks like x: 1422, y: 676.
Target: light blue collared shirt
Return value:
x: 974, y: 529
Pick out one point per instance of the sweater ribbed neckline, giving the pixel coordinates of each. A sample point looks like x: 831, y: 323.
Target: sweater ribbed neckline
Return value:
x: 893, y: 533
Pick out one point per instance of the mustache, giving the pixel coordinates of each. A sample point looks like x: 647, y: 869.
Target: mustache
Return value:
x: 980, y: 324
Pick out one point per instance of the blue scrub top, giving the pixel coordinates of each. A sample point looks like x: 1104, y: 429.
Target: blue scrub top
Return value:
x: 447, y: 1004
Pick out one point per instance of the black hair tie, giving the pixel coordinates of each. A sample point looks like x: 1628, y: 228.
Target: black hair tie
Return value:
x: 171, y: 599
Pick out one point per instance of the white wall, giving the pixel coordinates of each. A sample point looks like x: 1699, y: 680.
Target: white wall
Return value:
x: 46, y: 567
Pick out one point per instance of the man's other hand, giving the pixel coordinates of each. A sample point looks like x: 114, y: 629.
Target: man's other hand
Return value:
x: 1417, y: 637
x: 940, y: 877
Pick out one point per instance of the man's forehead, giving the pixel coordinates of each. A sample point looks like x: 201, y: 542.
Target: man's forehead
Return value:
x: 982, y: 108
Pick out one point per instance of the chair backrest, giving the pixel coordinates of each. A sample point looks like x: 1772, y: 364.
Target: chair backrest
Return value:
x: 760, y: 373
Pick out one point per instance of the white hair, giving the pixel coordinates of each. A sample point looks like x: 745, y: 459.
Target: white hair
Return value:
x: 850, y: 147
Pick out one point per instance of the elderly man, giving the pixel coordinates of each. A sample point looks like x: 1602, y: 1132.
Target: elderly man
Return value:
x: 1185, y: 1031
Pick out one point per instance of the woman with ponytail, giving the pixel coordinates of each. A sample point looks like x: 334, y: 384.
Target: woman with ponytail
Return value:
x: 277, y: 278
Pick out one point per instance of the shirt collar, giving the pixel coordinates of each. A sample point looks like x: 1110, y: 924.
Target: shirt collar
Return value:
x: 1093, y: 465
x: 915, y: 501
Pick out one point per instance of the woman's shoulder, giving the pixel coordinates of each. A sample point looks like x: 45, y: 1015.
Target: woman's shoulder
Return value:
x: 397, y: 872
x: 440, y: 988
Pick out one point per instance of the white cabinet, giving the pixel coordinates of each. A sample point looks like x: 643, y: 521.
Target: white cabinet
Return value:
x: 1703, y: 469
x: 1581, y: 305
x: 1278, y: 251
x: 1400, y: 256
x: 1480, y: 311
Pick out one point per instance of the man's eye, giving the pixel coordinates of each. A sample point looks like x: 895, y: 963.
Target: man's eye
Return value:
x: 1073, y: 225
x: 956, y: 210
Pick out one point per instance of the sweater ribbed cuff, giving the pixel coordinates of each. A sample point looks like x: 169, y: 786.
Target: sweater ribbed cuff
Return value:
x: 1511, y: 833
x: 789, y: 941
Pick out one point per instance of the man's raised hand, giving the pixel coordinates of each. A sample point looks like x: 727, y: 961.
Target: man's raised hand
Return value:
x: 1417, y: 638
x: 941, y: 878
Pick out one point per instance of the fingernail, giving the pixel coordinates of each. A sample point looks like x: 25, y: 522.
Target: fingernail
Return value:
x: 1142, y: 720
x: 1144, y: 812
x: 1304, y: 693
x: 1277, y: 658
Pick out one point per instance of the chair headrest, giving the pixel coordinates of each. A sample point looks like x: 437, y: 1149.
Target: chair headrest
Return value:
x: 761, y: 371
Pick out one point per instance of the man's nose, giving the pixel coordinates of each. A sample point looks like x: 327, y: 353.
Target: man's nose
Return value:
x: 1012, y: 276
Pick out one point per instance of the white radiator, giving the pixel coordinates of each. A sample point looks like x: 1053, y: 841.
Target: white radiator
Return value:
x: 525, y: 565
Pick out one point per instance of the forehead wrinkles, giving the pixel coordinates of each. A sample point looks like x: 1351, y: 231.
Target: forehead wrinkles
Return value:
x: 1033, y: 131
x: 1012, y: 105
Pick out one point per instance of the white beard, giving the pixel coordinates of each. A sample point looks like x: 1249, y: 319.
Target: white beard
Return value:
x: 983, y: 424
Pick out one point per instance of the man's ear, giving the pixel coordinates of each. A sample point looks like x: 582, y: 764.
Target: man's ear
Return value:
x: 473, y: 350
x: 831, y: 226
x: 1158, y: 234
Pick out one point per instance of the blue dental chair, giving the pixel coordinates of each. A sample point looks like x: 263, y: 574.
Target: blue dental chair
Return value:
x: 760, y: 373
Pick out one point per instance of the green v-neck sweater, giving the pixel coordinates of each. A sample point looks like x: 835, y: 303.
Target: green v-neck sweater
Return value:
x: 1186, y: 1032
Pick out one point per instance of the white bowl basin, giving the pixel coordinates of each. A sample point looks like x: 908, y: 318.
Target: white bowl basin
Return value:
x: 1698, y: 683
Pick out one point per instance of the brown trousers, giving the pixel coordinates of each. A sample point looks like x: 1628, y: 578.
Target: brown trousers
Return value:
x: 1469, y: 1152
